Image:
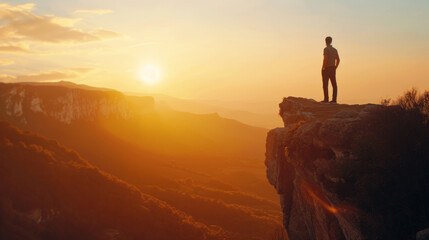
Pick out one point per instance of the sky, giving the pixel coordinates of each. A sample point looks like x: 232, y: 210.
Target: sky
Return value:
x: 225, y: 50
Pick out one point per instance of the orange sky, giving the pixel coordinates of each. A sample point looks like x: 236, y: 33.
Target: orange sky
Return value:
x: 219, y: 50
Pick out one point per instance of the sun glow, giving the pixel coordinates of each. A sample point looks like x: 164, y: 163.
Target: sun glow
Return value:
x: 150, y: 74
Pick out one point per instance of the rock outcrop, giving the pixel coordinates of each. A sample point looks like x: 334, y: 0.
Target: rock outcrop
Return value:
x: 307, y: 162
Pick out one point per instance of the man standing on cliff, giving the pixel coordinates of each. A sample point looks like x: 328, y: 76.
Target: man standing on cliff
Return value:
x: 331, y: 60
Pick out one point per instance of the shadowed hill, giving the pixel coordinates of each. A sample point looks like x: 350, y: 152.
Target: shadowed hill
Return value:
x: 241, y: 220
x: 48, y: 192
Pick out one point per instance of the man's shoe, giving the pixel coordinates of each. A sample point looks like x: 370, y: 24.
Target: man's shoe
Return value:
x: 324, y: 101
x: 333, y: 102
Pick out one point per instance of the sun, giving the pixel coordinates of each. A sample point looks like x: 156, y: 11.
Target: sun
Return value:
x: 150, y: 74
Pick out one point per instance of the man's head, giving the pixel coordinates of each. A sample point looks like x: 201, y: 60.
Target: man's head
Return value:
x: 328, y: 40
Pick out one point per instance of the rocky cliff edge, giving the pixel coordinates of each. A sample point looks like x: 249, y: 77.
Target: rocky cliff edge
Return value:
x: 315, y: 164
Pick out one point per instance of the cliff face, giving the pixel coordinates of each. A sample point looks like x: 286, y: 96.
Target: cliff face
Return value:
x: 332, y: 183
x: 65, y: 104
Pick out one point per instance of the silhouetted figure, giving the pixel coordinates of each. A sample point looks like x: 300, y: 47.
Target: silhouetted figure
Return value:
x: 331, y: 60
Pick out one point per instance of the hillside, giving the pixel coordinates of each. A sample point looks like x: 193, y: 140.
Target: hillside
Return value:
x: 49, y: 192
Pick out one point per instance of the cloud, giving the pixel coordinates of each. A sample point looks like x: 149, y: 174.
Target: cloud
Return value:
x: 82, y: 70
x: 13, y: 49
x: 22, y: 7
x: 102, y: 33
x: 18, y: 23
x: 93, y: 11
x: 65, y: 22
x: 5, y: 62
x: 46, y: 75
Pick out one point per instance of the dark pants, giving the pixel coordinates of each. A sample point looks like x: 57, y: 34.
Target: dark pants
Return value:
x: 329, y: 73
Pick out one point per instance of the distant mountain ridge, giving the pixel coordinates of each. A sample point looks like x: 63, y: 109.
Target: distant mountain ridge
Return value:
x: 257, y: 119
x: 160, y: 101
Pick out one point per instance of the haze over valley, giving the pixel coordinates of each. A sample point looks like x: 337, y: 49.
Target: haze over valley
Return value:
x: 208, y: 167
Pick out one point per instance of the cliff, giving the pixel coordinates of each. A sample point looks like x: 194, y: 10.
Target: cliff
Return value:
x: 67, y: 103
x: 350, y: 171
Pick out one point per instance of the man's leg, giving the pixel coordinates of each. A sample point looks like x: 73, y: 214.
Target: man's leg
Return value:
x: 334, y: 85
x: 325, y: 81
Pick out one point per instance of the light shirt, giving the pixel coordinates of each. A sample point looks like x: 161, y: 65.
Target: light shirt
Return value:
x: 331, y: 54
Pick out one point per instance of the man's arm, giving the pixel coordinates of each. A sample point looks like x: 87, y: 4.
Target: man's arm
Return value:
x: 337, y: 61
x: 324, y: 61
